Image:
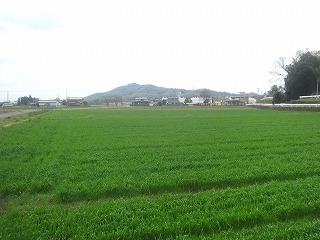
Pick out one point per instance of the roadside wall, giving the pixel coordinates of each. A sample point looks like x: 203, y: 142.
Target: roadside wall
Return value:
x: 290, y: 107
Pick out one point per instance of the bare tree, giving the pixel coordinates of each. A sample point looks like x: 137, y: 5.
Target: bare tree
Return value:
x: 280, y: 71
x: 298, y: 75
x: 206, y: 95
x: 282, y: 67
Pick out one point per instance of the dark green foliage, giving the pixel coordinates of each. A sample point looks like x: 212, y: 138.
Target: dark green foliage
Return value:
x: 301, y: 78
x: 27, y: 100
x: 277, y: 93
x: 302, y: 74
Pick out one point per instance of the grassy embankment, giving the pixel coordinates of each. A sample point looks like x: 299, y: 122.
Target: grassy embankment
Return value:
x: 177, y: 173
x: 307, y: 101
x: 21, y: 116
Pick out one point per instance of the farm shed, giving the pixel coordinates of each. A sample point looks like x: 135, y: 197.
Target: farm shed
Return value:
x: 7, y: 104
x: 48, y: 103
x: 75, y: 101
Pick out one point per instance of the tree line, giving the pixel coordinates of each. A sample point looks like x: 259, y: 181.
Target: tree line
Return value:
x: 27, y: 100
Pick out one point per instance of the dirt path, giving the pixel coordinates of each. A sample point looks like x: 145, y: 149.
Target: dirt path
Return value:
x: 12, y: 114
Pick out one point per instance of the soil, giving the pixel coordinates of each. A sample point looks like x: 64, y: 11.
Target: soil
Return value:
x: 12, y: 114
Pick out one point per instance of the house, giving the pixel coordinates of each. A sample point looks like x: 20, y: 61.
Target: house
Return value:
x: 159, y: 102
x: 241, y: 98
x: 48, y: 103
x: 175, y: 100
x: 7, y: 104
x: 74, y: 101
x: 172, y: 100
x: 197, y: 100
x: 142, y: 101
x: 237, y: 100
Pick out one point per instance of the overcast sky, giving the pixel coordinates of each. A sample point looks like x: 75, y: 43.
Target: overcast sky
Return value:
x: 88, y: 46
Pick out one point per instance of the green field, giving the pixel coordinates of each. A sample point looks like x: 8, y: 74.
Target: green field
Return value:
x: 189, y: 173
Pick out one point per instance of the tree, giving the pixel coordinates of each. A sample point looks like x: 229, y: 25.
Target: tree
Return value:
x: 277, y: 93
x: 317, y: 73
x: 280, y: 72
x: 205, y: 94
x: 187, y: 100
x: 105, y: 100
x: 300, y: 74
x: 27, y: 100
x: 302, y: 77
x: 117, y: 99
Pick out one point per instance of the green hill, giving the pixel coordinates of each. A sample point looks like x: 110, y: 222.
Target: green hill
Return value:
x: 131, y: 91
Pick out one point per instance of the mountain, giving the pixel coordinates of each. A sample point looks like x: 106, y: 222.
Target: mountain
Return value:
x: 133, y: 90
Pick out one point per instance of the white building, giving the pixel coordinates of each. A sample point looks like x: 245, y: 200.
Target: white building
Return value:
x: 48, y: 103
x: 197, y: 100
x: 252, y: 100
x: 7, y: 104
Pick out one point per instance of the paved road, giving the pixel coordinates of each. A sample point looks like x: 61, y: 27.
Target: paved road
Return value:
x: 12, y: 114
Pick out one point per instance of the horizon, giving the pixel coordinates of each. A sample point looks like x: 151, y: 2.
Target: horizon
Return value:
x: 69, y: 96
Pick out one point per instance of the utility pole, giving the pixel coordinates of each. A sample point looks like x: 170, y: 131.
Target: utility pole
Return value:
x: 318, y: 90
x: 66, y: 97
x: 7, y: 96
x: 317, y: 73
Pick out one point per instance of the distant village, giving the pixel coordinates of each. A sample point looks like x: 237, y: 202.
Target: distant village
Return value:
x: 233, y: 100
x: 240, y: 99
x: 35, y: 102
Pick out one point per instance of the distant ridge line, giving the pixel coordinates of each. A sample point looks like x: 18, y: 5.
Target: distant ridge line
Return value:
x: 134, y: 90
